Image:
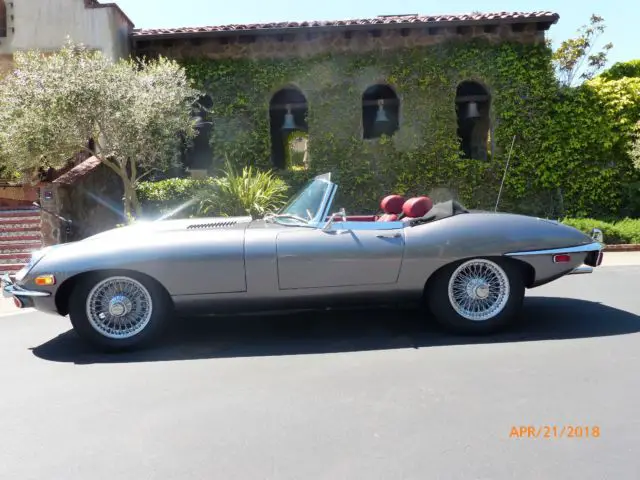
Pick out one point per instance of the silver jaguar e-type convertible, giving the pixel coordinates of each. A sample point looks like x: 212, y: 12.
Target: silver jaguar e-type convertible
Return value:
x: 469, y: 269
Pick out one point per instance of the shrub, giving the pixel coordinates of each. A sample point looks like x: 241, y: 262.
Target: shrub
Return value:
x: 250, y: 192
x: 164, y: 196
x: 615, y: 232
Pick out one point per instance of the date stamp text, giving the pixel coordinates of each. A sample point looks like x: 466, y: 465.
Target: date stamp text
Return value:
x: 555, y: 431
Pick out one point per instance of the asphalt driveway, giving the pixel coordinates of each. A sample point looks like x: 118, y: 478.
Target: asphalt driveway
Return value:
x: 355, y: 395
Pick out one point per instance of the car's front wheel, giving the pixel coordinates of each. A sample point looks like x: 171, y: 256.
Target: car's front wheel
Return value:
x: 118, y: 311
x: 477, y: 296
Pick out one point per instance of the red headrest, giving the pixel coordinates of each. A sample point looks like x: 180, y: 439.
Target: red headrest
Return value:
x: 417, y: 207
x: 392, y: 204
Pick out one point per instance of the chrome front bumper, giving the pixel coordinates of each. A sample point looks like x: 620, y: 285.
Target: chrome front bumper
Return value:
x: 10, y: 289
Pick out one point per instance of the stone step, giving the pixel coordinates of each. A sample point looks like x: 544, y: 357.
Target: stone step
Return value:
x: 5, y: 225
x: 10, y: 267
x: 19, y: 231
x: 35, y: 237
x: 19, y: 209
x: 19, y: 213
x: 14, y: 258
x: 26, y: 219
x: 19, y: 247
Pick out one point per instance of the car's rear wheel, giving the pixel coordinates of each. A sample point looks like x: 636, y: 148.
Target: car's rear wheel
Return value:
x: 119, y: 311
x: 477, y: 296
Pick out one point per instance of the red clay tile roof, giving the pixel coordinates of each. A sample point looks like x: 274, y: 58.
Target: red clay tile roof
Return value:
x: 400, y: 20
x: 79, y: 171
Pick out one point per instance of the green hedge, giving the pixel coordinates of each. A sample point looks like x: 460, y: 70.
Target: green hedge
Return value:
x: 616, y: 232
x: 161, y: 197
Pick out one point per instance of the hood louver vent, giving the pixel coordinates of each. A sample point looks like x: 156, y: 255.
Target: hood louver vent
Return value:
x: 212, y: 225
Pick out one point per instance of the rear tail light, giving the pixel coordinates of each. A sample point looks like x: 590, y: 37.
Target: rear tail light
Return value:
x: 562, y: 258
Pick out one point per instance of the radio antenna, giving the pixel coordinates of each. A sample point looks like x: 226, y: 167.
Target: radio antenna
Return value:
x: 505, y: 173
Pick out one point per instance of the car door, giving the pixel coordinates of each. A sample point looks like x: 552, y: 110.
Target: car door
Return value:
x: 349, y: 254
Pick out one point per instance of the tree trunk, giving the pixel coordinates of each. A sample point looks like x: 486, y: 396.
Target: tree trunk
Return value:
x: 131, y: 203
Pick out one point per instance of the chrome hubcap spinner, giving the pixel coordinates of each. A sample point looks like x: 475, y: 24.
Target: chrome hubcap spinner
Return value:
x: 478, y: 290
x: 119, y: 307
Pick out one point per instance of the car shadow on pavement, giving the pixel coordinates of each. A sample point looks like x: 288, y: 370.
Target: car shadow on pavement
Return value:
x: 543, y: 318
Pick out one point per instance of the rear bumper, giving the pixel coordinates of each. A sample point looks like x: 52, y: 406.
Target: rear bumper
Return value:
x: 551, y: 262
x: 581, y: 270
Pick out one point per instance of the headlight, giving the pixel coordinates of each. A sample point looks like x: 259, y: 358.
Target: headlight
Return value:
x: 35, y: 258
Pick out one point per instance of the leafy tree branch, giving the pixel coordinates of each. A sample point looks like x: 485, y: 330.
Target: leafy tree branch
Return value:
x: 575, y: 58
x: 133, y: 115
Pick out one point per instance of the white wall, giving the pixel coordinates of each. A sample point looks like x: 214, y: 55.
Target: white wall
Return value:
x: 44, y: 24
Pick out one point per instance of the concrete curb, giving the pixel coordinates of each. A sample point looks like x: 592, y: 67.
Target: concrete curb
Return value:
x: 631, y: 247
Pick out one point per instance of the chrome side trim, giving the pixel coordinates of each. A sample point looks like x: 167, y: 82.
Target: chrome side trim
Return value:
x: 9, y: 289
x: 589, y: 247
x: 581, y: 270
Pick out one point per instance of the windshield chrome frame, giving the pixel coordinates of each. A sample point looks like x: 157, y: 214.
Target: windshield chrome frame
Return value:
x: 325, y: 205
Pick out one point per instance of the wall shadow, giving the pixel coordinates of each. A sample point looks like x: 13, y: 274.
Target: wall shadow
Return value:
x: 543, y: 318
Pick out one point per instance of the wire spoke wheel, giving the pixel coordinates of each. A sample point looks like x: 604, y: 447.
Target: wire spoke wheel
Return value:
x: 478, y: 290
x: 119, y: 307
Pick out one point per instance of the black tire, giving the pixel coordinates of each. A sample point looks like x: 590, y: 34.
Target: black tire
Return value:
x: 444, y: 312
x: 161, y: 309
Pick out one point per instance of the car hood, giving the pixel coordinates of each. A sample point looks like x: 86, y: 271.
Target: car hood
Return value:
x: 166, y: 226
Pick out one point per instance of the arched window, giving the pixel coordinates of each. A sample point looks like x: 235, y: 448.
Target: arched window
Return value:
x: 200, y: 154
x: 287, y: 114
x: 3, y: 19
x: 380, y: 111
x: 473, y: 103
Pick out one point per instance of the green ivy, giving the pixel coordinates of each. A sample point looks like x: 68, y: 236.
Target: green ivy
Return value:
x: 566, y: 158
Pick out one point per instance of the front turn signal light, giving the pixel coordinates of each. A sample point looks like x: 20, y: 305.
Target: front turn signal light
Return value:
x: 45, y: 280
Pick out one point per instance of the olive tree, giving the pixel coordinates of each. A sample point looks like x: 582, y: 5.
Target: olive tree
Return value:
x: 132, y: 115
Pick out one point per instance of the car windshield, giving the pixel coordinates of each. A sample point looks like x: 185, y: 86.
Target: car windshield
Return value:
x: 305, y: 205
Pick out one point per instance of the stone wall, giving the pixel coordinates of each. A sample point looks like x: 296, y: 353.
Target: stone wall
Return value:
x: 311, y: 43
x: 6, y: 64
x: 90, y: 198
x: 89, y: 195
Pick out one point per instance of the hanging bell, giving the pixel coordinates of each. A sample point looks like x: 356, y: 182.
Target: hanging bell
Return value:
x: 381, y: 115
x: 472, y: 110
x: 289, y: 122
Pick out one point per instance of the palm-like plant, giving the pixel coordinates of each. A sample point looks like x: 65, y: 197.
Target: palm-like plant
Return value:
x: 249, y: 192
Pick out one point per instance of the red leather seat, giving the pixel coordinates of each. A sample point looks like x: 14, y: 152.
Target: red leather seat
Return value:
x: 391, y: 205
x: 417, y: 207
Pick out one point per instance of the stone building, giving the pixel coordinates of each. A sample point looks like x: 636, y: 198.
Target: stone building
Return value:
x: 44, y: 25
x: 384, y: 34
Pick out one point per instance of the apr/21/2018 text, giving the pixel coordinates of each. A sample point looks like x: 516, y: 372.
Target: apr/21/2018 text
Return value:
x: 554, y: 431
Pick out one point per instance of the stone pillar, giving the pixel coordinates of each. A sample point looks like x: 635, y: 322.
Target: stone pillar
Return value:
x: 52, y: 227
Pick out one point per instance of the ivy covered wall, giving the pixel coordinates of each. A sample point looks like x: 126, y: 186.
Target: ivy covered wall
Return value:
x: 552, y: 171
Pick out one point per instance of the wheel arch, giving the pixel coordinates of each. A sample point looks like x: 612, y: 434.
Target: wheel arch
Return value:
x: 63, y: 294
x: 528, y: 272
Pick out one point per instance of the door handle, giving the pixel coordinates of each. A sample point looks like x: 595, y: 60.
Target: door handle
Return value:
x: 391, y: 235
